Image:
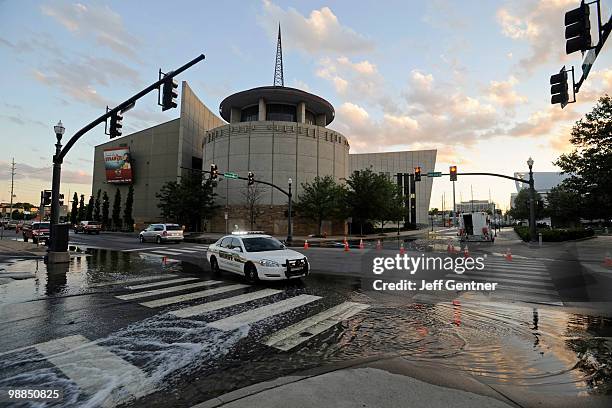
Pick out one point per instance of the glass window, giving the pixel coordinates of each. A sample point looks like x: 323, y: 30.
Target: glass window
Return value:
x: 225, y: 243
x: 250, y: 114
x: 158, y: 228
x: 173, y: 227
x: 281, y: 113
x: 310, y: 118
x: 236, y: 243
x: 261, y: 244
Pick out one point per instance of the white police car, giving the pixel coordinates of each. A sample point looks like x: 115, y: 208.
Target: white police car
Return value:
x: 256, y: 256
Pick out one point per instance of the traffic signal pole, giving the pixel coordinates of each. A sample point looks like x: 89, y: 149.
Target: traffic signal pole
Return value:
x: 60, y: 153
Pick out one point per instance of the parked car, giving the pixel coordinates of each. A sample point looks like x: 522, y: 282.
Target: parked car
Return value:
x: 12, y: 224
x: 88, y: 227
x: 162, y: 233
x: 37, y: 232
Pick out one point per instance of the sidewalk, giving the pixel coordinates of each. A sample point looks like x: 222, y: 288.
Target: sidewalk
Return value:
x: 11, y: 247
x: 388, y: 383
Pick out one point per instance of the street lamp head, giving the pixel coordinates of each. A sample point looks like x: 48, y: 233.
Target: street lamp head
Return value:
x: 290, y: 181
x: 530, y: 162
x: 59, y: 128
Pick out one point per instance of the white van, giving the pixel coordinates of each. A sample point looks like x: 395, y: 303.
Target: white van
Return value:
x: 475, y: 226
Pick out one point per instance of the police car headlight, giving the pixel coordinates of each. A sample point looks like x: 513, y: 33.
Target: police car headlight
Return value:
x: 268, y: 263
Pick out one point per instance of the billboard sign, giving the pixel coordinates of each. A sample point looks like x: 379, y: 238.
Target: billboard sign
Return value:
x: 118, y: 165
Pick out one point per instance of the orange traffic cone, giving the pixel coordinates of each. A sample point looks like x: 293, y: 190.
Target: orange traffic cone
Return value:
x: 508, y: 255
x: 164, y: 260
x: 346, y: 247
x: 361, y: 245
x: 344, y: 240
x: 402, y: 250
x: 449, y: 248
x: 306, y: 246
x: 466, y: 252
x: 378, y: 244
x: 608, y: 260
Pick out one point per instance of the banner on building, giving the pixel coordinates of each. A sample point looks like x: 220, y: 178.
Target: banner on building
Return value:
x: 118, y: 165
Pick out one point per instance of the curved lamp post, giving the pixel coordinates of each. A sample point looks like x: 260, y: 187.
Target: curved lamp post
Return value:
x: 532, y: 217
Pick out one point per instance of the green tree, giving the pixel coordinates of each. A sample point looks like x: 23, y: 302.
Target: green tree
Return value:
x: 90, y: 208
x: 96, y: 213
x: 117, y: 211
x: 105, y: 210
x: 320, y: 200
x: 564, y: 206
x: 128, y: 221
x: 394, y: 209
x: 365, y: 196
x: 188, y: 201
x: 81, y: 214
x: 521, y: 206
x: 74, y: 210
x: 590, y: 163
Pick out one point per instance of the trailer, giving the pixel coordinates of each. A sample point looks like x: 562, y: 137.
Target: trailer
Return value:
x: 475, y: 226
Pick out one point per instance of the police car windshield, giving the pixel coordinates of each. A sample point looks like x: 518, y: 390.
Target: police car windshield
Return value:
x: 261, y: 244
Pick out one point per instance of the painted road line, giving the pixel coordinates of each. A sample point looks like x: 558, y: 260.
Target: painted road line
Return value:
x: 130, y: 280
x: 289, y: 337
x: 171, y: 289
x: 199, y: 246
x: 193, y: 295
x: 510, y: 264
x: 188, y: 251
x: 512, y: 275
x: 94, y: 368
x: 154, y: 284
x: 260, y: 313
x: 510, y: 288
x: 540, y: 272
x: 493, y: 278
x: 166, y: 252
x: 223, y: 303
x: 141, y: 249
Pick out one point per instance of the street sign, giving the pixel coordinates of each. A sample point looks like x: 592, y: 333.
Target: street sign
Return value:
x: 587, y: 62
x: 434, y: 174
x: 230, y: 175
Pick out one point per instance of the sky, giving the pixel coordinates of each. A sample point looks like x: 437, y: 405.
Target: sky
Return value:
x: 469, y: 78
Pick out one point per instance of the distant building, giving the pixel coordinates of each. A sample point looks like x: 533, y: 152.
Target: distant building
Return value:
x: 544, y: 181
x: 474, y: 206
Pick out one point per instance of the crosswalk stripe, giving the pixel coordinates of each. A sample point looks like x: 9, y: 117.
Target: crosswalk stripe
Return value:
x: 223, y: 303
x: 141, y: 279
x: 532, y: 291
x: 167, y: 290
x: 540, y: 272
x: 189, y: 251
x: 494, y: 278
x: 94, y: 368
x: 154, y: 284
x: 141, y: 249
x: 166, y: 252
x: 199, y: 246
x: 516, y: 267
x: 263, y: 312
x: 512, y: 275
x: 289, y: 337
x: 193, y: 295
x: 513, y: 262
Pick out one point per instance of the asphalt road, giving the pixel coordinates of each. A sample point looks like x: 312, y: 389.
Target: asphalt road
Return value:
x: 149, y: 325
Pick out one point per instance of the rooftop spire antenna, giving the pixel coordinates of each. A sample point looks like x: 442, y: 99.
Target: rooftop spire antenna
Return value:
x: 278, y: 67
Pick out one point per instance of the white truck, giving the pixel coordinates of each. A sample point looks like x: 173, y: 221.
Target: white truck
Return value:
x: 475, y: 226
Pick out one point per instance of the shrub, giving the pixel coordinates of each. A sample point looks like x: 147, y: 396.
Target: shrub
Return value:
x: 555, y: 235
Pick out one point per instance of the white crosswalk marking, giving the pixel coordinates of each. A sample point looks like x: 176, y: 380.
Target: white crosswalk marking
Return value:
x: 509, y: 265
x: 137, y: 279
x: 200, y: 246
x: 181, y: 250
x: 291, y: 336
x: 223, y: 303
x: 94, y: 368
x: 263, y: 312
x: 154, y: 284
x: 494, y: 278
x: 167, y: 290
x: 141, y: 249
x: 512, y: 274
x: 193, y: 295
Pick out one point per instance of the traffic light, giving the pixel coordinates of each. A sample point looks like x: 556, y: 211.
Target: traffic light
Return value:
x: 251, y: 178
x: 169, y: 94
x: 453, y: 173
x: 116, y: 125
x: 417, y: 173
x: 61, y: 199
x: 214, y: 171
x: 558, y: 88
x: 577, y: 29
x: 46, y: 197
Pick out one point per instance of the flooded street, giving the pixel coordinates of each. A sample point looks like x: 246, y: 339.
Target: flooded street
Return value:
x: 130, y: 328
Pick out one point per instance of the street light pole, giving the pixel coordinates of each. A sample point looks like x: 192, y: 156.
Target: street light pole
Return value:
x: 289, y: 226
x: 532, y: 220
x: 57, y: 171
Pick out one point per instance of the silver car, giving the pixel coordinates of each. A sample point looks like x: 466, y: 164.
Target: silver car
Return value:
x: 162, y: 233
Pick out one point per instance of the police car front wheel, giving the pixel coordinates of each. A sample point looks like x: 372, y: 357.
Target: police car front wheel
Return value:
x: 250, y: 273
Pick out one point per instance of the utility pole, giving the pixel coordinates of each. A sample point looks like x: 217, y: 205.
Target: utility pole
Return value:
x: 472, y: 199
x: 454, y: 206
x: 12, y: 186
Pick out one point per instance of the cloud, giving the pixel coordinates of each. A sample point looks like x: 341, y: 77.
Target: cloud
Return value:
x: 25, y: 172
x: 100, y: 22
x: 542, y: 122
x: 318, y: 33
x: 540, y: 25
x: 503, y: 93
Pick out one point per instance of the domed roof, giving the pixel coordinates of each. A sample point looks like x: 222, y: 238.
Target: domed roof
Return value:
x: 277, y: 94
